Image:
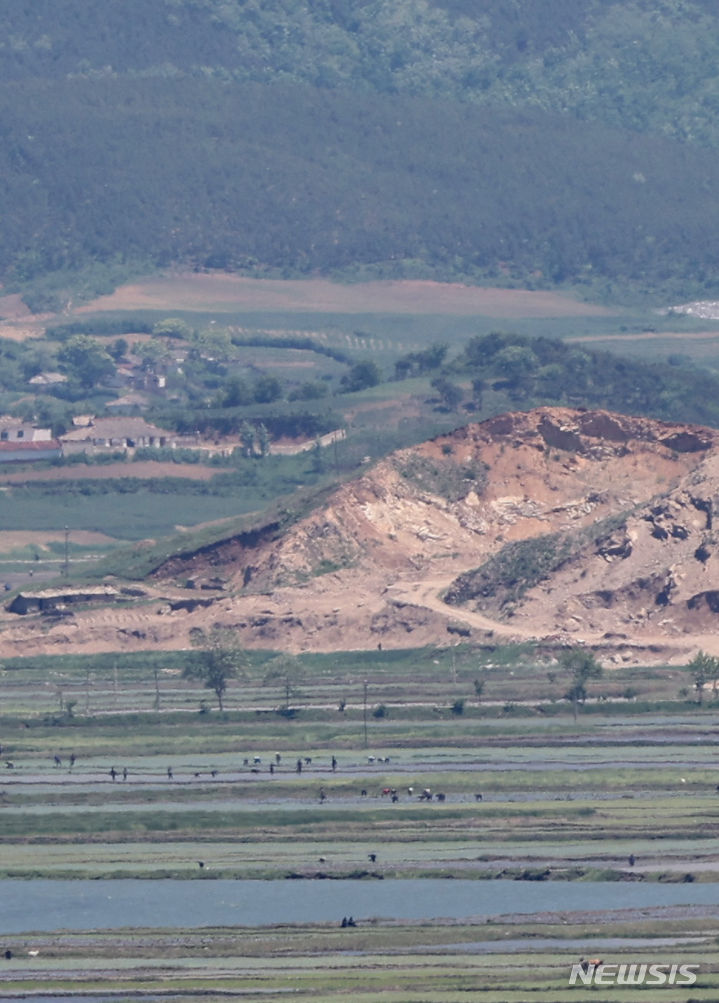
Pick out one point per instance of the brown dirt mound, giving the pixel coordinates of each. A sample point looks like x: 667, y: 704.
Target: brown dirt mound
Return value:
x: 599, y: 528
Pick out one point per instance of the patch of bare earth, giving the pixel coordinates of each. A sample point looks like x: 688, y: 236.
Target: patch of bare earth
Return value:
x: 142, y: 469
x: 13, y: 307
x: 220, y: 291
x: 648, y: 336
x: 375, y: 564
x: 11, y: 539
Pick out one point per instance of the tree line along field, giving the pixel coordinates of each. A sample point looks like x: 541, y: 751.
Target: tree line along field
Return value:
x: 457, y: 683
x: 136, y: 508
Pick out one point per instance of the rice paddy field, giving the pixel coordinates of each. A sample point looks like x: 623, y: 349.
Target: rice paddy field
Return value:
x: 377, y: 772
x: 397, y: 962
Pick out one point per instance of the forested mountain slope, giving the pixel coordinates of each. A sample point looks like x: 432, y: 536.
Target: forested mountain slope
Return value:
x: 632, y: 63
x: 493, y: 140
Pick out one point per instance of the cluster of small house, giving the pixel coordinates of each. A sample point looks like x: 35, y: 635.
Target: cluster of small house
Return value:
x: 24, y: 443
x: 136, y: 385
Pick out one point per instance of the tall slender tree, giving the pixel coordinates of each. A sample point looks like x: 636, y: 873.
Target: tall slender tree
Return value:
x: 581, y: 666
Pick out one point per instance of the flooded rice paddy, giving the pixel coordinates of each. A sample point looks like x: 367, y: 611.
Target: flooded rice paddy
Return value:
x: 114, y: 904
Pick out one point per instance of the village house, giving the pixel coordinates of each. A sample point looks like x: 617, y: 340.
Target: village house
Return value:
x: 150, y: 381
x: 21, y: 443
x: 46, y: 381
x: 102, y: 434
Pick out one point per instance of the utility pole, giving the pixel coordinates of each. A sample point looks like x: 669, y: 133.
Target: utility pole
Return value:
x: 335, y: 448
x: 365, y: 714
x: 66, y: 565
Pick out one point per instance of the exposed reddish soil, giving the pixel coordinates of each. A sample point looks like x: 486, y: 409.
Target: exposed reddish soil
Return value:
x: 9, y: 539
x: 141, y: 469
x: 372, y: 565
x: 219, y: 291
x: 13, y: 307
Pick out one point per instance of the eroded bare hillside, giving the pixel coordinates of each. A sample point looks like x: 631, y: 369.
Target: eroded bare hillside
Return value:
x: 557, y: 524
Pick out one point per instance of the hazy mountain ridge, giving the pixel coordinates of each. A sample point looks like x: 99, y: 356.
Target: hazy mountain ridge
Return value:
x: 479, y: 141
x: 640, y: 64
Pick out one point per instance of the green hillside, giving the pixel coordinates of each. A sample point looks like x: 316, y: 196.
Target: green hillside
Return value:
x: 499, y: 141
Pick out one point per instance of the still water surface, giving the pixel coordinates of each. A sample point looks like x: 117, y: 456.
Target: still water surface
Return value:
x: 45, y: 905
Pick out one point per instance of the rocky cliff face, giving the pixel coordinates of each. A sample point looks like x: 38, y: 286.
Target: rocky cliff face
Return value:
x: 554, y: 524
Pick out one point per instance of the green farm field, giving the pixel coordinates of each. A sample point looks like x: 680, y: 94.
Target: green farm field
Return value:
x: 505, y: 962
x: 380, y: 318
x: 117, y: 767
x: 383, y: 319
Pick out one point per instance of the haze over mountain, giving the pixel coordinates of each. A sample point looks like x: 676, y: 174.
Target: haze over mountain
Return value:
x: 505, y: 140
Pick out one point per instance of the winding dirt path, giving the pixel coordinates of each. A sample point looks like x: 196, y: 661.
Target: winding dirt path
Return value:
x: 427, y: 594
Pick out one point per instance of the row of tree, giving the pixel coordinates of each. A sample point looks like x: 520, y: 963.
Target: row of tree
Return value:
x: 217, y: 396
x: 220, y: 658
x: 549, y: 371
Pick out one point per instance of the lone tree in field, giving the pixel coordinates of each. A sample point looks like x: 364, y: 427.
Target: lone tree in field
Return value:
x: 704, y: 669
x: 263, y: 440
x: 581, y: 666
x: 247, y: 438
x: 219, y: 658
x: 286, y: 670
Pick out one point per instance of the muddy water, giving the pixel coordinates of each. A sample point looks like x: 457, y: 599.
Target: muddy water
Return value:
x: 47, y: 905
